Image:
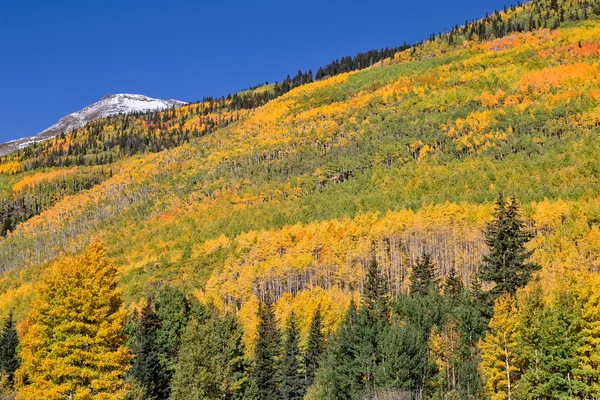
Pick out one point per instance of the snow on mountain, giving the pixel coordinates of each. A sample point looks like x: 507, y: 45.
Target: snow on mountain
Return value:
x: 111, y: 104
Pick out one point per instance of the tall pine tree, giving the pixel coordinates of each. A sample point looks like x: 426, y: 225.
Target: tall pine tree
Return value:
x: 340, y: 376
x: 507, y: 264
x: 9, y: 341
x: 264, y: 375
x: 454, y: 284
x: 211, y: 362
x: 314, y: 348
x: 424, y: 277
x: 375, y: 290
x: 147, y: 369
x: 292, y: 383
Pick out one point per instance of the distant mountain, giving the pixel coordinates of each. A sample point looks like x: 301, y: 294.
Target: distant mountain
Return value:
x: 111, y: 104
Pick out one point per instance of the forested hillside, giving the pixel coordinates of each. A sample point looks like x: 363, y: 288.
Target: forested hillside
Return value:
x: 338, y: 237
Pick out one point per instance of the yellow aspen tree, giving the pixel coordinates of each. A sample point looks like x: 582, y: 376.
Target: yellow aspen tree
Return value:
x: 588, y: 351
x: 498, y: 350
x: 443, y: 348
x: 74, y: 348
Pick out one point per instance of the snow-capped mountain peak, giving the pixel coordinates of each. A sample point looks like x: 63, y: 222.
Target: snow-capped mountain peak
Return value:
x: 111, y: 104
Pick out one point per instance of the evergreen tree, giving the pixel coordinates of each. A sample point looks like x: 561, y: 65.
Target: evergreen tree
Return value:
x: 265, y: 370
x: 340, y: 376
x: 471, y: 328
x: 147, y: 369
x: 423, y: 279
x: 173, y: 311
x: 405, y: 364
x: 9, y: 341
x: 211, y: 360
x: 375, y: 291
x: 315, y: 348
x: 454, y: 284
x: 372, y: 319
x: 292, y: 384
x: 506, y: 265
x: 74, y: 347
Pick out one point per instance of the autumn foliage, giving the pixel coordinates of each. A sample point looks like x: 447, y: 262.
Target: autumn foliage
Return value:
x: 74, y: 346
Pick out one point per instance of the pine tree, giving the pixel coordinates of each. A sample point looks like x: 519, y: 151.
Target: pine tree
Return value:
x: 147, y: 369
x: 173, y: 311
x: 454, y: 284
x: 74, y: 347
x: 405, y: 364
x: 471, y: 328
x: 265, y: 370
x: 211, y: 360
x: 424, y: 276
x: 375, y: 289
x: 315, y: 348
x: 9, y: 341
x: 292, y: 384
x: 341, y: 375
x: 372, y: 319
x: 506, y: 265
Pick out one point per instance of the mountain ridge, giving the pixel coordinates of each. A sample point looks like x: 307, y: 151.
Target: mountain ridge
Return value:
x: 108, y: 105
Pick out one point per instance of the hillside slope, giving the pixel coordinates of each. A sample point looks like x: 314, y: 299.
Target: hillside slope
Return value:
x: 291, y: 197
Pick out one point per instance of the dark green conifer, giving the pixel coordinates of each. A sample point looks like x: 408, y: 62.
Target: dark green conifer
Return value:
x: 315, y: 348
x: 424, y: 278
x: 172, y: 309
x: 146, y: 368
x: 265, y: 371
x: 454, y: 284
x: 292, y: 382
x: 341, y: 375
x: 375, y: 290
x: 506, y: 266
x: 9, y: 342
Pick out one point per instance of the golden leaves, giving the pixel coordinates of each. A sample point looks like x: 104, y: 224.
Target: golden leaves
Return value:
x: 562, y: 76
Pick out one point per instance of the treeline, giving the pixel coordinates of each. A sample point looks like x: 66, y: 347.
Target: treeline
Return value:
x: 536, y: 14
x: 31, y: 200
x: 359, y: 61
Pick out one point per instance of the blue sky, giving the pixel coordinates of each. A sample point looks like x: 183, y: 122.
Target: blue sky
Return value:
x: 57, y: 57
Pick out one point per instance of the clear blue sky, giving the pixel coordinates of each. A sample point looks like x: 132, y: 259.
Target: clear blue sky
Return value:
x: 59, y: 56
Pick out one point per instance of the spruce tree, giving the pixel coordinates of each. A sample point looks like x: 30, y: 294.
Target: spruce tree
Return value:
x: 372, y: 318
x: 211, y: 360
x: 423, y: 279
x: 341, y: 375
x: 146, y: 368
x: 454, y: 284
x: 173, y: 311
x: 506, y: 265
x: 292, y: 384
x: 374, y: 295
x: 315, y: 348
x: 265, y: 371
x: 9, y: 341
